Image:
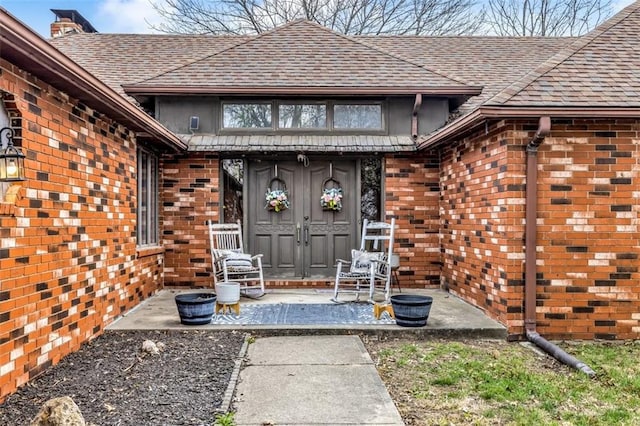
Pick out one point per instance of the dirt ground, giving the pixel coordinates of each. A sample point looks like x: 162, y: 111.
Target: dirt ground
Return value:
x: 114, y: 382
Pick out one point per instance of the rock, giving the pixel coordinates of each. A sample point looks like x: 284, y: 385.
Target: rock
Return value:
x: 60, y: 411
x: 150, y: 347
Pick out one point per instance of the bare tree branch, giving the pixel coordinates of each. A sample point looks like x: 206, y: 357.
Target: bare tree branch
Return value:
x: 545, y: 17
x: 420, y: 17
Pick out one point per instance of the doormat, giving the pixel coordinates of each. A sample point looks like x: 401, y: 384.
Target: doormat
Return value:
x: 303, y: 314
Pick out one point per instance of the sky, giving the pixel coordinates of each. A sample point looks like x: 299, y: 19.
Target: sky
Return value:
x: 106, y: 16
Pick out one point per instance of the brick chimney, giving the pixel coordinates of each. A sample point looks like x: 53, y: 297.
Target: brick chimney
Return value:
x: 69, y: 22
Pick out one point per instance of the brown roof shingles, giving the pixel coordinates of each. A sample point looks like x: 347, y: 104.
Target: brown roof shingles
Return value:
x: 302, y: 54
x: 120, y: 59
x: 601, y: 69
x: 491, y: 62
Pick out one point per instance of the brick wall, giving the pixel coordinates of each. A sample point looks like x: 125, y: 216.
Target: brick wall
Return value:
x: 589, y: 241
x: 588, y: 283
x: 68, y: 261
x: 412, y: 192
x: 189, y: 196
x: 482, y: 217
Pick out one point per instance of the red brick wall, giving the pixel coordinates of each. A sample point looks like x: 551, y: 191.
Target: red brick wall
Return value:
x: 482, y: 213
x: 589, y: 241
x: 190, y: 195
x: 588, y: 283
x: 412, y: 192
x: 68, y: 261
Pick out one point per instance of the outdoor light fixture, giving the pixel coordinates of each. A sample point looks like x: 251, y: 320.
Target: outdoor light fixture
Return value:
x: 11, y: 158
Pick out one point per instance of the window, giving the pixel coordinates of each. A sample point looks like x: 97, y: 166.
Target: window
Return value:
x: 147, y: 231
x: 308, y: 116
x: 4, y: 122
x: 357, y: 116
x: 302, y: 116
x: 246, y: 116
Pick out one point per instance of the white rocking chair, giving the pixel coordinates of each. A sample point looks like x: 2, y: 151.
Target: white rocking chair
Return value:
x: 229, y: 261
x: 370, y: 269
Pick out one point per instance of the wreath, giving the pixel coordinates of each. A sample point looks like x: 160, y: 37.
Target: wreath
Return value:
x: 331, y: 199
x: 277, y: 200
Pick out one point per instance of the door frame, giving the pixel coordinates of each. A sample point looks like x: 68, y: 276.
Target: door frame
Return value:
x: 293, y: 157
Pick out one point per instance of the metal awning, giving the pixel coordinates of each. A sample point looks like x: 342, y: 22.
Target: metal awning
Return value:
x: 292, y: 143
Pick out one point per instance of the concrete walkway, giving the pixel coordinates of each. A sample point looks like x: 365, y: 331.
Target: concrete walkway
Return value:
x: 312, y: 380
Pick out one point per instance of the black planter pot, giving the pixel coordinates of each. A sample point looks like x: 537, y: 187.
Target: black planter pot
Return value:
x: 196, y: 308
x: 411, y: 310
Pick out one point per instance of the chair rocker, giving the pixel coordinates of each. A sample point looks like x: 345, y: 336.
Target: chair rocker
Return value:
x: 229, y: 261
x: 369, y: 270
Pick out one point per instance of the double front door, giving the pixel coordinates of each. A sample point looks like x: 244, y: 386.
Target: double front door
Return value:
x: 304, y: 240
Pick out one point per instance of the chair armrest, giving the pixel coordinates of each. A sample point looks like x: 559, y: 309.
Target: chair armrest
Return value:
x: 343, y: 261
x: 257, y: 256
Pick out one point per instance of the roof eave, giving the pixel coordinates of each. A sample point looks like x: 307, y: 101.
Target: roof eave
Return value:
x: 483, y: 113
x: 134, y: 90
x: 29, y: 51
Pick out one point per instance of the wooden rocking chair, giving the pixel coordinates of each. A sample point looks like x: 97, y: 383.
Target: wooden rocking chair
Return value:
x: 370, y: 268
x: 230, y: 262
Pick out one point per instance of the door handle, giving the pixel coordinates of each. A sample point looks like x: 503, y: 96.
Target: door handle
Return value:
x: 306, y: 235
x: 298, y: 233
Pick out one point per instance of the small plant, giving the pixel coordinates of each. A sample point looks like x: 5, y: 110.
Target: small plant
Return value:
x: 277, y: 200
x: 225, y: 419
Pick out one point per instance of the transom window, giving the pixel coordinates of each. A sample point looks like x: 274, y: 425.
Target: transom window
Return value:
x: 302, y: 116
x: 246, y: 116
x: 287, y: 115
x: 349, y: 116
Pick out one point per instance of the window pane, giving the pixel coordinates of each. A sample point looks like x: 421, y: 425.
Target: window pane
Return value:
x: 147, y: 217
x: 153, y: 200
x: 246, y: 116
x: 143, y: 194
x: 357, y: 116
x: 303, y: 116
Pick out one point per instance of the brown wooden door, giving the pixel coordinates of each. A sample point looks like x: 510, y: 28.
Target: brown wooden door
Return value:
x: 303, y: 241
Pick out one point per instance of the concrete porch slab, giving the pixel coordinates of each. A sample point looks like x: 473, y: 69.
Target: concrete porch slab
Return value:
x: 449, y: 316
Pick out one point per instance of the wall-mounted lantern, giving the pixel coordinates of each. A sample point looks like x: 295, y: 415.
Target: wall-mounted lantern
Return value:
x: 11, y: 158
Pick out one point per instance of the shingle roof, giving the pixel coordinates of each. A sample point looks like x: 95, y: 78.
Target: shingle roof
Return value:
x: 302, y: 54
x: 491, y: 62
x: 598, y: 70
x: 119, y: 59
x: 292, y: 143
x: 601, y: 69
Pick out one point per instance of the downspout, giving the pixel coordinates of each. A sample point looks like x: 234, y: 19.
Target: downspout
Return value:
x: 544, y: 128
x: 414, y: 118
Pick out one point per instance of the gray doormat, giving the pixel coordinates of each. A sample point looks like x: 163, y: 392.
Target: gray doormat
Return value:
x: 303, y: 314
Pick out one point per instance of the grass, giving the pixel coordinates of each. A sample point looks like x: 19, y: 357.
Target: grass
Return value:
x: 225, y: 419
x: 491, y: 382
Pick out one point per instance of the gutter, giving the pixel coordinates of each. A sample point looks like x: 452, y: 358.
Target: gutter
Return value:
x: 29, y: 51
x: 414, y: 116
x: 544, y: 128
x: 154, y: 90
x: 480, y: 114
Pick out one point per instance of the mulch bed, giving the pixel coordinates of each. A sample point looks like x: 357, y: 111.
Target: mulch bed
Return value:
x: 114, y: 382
